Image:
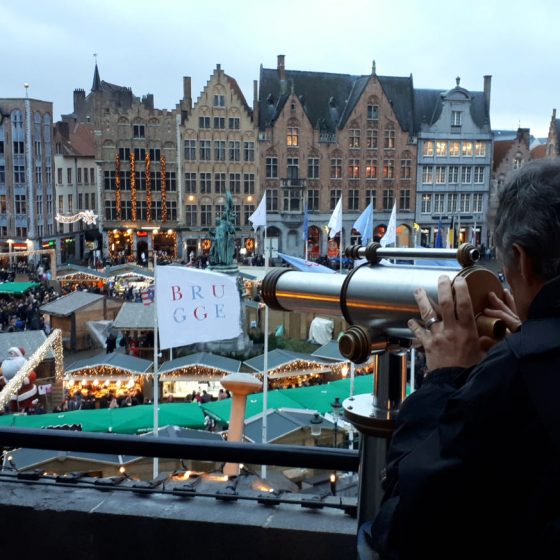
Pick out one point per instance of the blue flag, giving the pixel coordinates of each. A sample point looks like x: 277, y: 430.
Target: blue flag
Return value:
x: 305, y: 266
x: 439, y: 238
x: 305, y: 234
x: 364, y: 224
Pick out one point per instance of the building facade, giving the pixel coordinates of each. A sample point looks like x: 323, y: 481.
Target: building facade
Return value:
x: 323, y: 137
x: 454, y: 163
x: 219, y: 154
x: 26, y: 175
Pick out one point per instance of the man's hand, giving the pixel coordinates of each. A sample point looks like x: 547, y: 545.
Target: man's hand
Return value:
x: 450, y: 339
x: 504, y: 310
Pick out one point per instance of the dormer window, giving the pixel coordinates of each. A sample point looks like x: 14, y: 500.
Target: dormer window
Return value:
x: 455, y: 118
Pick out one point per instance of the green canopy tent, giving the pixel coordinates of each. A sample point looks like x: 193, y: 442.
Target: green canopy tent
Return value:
x: 17, y: 288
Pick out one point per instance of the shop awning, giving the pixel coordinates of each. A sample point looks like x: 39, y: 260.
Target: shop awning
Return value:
x: 118, y: 361
x: 283, y: 363
x: 196, y: 366
x: 17, y: 288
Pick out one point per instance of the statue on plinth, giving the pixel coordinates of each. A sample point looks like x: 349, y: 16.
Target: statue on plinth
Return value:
x: 223, y: 244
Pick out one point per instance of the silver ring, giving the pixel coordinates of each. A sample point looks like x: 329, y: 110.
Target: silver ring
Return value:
x: 429, y: 323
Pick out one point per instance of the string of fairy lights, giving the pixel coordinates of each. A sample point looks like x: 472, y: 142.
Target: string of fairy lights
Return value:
x: 163, y: 191
x: 118, y: 185
x: 148, y: 188
x: 133, y: 185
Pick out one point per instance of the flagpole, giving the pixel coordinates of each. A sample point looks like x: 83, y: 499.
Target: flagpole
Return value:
x: 156, y: 369
x: 340, y: 240
x: 265, y: 388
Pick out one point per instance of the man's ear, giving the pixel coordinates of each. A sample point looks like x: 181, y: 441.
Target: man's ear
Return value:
x: 524, y: 264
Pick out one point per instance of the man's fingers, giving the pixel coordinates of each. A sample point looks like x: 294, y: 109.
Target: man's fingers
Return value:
x: 445, y: 297
x: 419, y: 332
x: 424, y: 304
x: 463, y: 304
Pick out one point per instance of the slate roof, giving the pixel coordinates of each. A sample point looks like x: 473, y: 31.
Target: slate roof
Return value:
x: 330, y: 351
x: 25, y: 459
x: 69, y: 270
x: 114, y: 359
x: 501, y: 148
x: 278, y: 358
x: 135, y: 316
x: 28, y: 340
x: 66, y: 305
x: 227, y: 365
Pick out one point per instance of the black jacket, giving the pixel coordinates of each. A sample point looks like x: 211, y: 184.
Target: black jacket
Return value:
x: 473, y: 469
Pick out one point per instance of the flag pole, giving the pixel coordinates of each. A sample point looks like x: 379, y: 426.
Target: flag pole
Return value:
x: 340, y: 239
x: 265, y: 388
x: 156, y: 368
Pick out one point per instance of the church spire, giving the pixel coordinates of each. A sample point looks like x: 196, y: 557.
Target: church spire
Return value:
x: 96, y: 86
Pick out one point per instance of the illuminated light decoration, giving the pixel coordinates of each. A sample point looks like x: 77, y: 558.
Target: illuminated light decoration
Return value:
x: 185, y: 373
x: 133, y: 185
x: 87, y: 216
x: 250, y: 244
x: 54, y: 343
x: 80, y: 277
x: 206, y: 244
x: 163, y: 192
x: 148, y: 188
x: 118, y: 185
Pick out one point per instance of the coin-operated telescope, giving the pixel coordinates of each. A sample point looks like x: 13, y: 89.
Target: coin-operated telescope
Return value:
x: 377, y: 300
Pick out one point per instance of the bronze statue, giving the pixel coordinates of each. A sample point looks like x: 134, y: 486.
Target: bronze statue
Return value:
x: 223, y: 246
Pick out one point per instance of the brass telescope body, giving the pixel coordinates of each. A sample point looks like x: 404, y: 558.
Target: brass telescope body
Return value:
x: 377, y: 300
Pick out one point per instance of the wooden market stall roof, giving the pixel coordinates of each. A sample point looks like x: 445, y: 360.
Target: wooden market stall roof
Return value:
x: 283, y: 363
x: 114, y: 360
x: 135, y: 317
x: 28, y: 340
x: 77, y: 272
x: 129, y: 270
x: 330, y: 351
x: 192, y: 364
x: 70, y: 303
x: 16, y: 288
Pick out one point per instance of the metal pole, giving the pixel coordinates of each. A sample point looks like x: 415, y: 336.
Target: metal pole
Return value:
x: 412, y: 369
x: 352, y: 375
x: 156, y: 364
x: 265, y: 389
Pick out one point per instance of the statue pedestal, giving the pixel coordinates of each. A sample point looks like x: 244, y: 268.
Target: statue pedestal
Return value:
x: 229, y: 269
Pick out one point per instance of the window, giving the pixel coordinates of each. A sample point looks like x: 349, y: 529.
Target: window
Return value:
x: 249, y: 183
x: 86, y: 178
x: 477, y: 202
x: 248, y: 151
x: 234, y: 123
x: 203, y: 122
x: 3, y: 204
x: 219, y: 182
x: 205, y: 182
x: 336, y: 168
x: 372, y: 112
x: 404, y: 199
x: 70, y: 203
x: 293, y: 168
x: 479, y: 174
x: 292, y: 200
x: 466, y: 174
x: 454, y: 149
x: 219, y: 100
x: 390, y: 138
x: 428, y: 149
x: 427, y: 174
x: 21, y: 231
x: 20, y: 204
x: 155, y: 177
x: 441, y: 149
x: 467, y: 149
x: 155, y: 153
x: 353, y: 169
x: 353, y: 199
x: 80, y: 202
x: 190, y: 182
x: 313, y: 200
x: 234, y: 151
x: 354, y: 138
x: 388, y: 199
x: 92, y: 175
x: 271, y: 167
x: 465, y: 203
x: 124, y: 154
x: 438, y: 203
x: 205, y: 215
x: 440, y: 174
x: 371, y: 139
x: 19, y: 148
x: 313, y: 168
x: 426, y: 207
x: 138, y: 131
x: 335, y: 197
x: 205, y: 153
x: 292, y: 136
x: 455, y: 118
x: 517, y: 161
x: 219, y: 122
x: 139, y: 154
x: 406, y: 168
x: 453, y: 174
x: 220, y: 150
x: 2, y: 174
x: 452, y: 203
x: 190, y: 150
x: 248, y: 210
x: 69, y: 176
x: 480, y: 149
x: 388, y: 169
x: 371, y: 168
x: 91, y: 204
x: 371, y: 196
x: 59, y: 176
x: 272, y: 200
x: 235, y: 182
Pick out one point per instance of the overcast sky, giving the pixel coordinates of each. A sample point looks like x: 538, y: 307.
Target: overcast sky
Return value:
x: 150, y: 45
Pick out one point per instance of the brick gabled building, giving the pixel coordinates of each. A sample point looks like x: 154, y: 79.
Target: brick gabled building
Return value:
x: 553, y: 140
x: 323, y: 136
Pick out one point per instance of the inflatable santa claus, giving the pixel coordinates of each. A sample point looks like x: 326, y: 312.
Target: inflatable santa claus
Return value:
x: 27, y: 396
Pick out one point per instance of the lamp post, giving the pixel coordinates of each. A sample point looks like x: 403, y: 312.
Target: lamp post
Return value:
x: 315, y: 423
x: 336, y: 406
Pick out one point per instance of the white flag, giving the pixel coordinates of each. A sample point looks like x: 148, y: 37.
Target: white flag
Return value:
x: 258, y: 217
x: 391, y: 233
x: 195, y: 305
x: 335, y: 223
x: 364, y: 224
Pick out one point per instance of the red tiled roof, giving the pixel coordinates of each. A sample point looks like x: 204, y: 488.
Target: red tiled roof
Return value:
x: 538, y: 152
x: 501, y: 148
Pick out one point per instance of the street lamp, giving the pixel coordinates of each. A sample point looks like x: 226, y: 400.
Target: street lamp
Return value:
x: 316, y: 422
x: 336, y: 406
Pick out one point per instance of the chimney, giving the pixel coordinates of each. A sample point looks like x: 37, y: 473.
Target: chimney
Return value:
x: 553, y: 114
x: 79, y: 101
x: 281, y: 67
x: 255, y: 101
x: 187, y: 89
x: 487, y: 89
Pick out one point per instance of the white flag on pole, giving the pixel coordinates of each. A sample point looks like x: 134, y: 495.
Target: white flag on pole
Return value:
x: 364, y: 224
x: 391, y: 233
x: 335, y: 223
x: 195, y: 306
x: 258, y: 217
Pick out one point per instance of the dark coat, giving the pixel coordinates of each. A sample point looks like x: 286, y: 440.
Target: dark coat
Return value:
x: 474, y: 465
